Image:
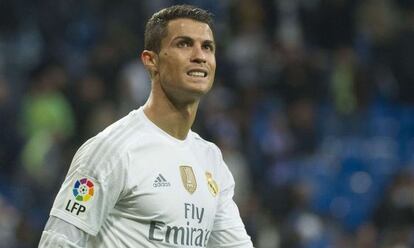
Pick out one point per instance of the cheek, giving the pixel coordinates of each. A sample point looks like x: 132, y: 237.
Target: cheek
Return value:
x: 170, y: 71
x: 213, y: 61
x: 213, y: 66
x: 171, y: 63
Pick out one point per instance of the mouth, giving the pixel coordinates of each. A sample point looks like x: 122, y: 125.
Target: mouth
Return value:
x: 197, y: 73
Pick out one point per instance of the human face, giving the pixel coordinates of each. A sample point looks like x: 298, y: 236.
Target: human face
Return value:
x: 186, y: 61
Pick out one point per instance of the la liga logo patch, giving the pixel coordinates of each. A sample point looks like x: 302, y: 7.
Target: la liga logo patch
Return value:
x: 83, y: 189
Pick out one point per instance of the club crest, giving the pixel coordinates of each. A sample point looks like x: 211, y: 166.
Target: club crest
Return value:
x: 188, y: 178
x: 212, y: 185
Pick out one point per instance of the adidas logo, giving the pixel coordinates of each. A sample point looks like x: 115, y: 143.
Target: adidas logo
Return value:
x: 161, y: 182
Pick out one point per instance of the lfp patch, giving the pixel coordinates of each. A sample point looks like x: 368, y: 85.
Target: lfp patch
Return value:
x: 83, y: 189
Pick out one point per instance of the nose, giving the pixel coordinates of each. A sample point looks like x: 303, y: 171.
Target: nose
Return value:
x: 198, y: 55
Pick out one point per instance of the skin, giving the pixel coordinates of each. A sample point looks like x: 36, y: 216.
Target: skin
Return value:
x: 175, y: 95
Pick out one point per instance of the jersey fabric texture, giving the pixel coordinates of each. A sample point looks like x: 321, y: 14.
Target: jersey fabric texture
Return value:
x: 134, y: 185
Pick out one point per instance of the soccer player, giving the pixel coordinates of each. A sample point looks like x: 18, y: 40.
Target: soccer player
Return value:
x: 148, y: 180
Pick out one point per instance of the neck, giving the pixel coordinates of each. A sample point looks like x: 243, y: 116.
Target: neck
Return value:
x: 174, y: 118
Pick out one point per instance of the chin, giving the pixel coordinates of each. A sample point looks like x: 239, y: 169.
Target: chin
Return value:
x: 201, y: 86
x: 197, y: 93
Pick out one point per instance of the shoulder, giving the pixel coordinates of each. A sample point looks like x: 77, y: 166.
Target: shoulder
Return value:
x: 217, y: 166
x: 211, y: 152
x: 205, y: 145
x: 108, y: 148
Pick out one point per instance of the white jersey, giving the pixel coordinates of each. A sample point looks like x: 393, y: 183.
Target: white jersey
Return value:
x: 134, y: 185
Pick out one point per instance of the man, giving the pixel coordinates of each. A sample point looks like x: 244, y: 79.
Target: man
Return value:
x: 148, y: 180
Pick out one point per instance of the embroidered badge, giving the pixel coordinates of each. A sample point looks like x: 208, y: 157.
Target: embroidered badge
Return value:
x: 188, y: 178
x: 83, y: 189
x: 212, y: 185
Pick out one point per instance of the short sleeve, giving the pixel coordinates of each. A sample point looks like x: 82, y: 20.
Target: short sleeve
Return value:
x: 89, y: 193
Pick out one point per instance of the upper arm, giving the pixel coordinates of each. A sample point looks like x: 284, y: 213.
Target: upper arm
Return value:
x: 228, y: 228
x: 90, y: 191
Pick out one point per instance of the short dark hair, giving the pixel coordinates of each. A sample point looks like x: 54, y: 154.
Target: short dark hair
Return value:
x: 156, y: 27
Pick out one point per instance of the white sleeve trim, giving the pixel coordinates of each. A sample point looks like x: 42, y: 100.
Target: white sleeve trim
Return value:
x: 52, y: 239
x: 59, y: 233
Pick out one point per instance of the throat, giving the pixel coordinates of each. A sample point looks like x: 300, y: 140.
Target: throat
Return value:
x: 174, y: 121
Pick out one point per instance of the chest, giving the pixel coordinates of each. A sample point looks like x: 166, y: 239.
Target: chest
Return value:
x: 173, y: 186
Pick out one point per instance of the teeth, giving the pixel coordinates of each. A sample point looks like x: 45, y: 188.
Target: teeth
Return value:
x: 197, y: 74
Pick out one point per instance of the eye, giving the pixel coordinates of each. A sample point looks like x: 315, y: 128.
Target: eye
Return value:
x: 208, y: 47
x: 183, y: 43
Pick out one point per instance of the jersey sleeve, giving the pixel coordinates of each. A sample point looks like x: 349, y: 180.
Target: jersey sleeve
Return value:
x: 89, y: 192
x: 59, y: 233
x: 228, y: 228
x: 52, y: 239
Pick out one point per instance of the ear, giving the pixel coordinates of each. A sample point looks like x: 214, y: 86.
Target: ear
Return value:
x: 150, y: 61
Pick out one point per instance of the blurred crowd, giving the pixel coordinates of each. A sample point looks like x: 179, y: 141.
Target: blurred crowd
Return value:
x: 313, y: 108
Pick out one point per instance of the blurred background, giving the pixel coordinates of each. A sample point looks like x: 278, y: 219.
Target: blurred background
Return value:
x: 313, y: 108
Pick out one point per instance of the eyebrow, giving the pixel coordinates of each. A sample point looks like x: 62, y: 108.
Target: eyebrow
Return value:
x: 211, y: 42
